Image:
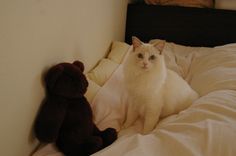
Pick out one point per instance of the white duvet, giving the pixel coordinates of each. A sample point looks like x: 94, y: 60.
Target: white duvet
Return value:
x: 207, y: 128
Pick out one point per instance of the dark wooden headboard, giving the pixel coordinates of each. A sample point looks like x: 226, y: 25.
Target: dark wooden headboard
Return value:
x: 182, y: 25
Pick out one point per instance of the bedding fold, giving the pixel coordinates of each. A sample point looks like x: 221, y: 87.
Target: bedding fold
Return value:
x: 208, y: 128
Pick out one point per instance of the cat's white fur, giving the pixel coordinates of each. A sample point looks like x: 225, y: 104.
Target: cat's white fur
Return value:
x: 154, y: 91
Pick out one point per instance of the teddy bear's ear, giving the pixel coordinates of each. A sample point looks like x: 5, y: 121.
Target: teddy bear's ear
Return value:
x: 53, y: 74
x: 79, y: 64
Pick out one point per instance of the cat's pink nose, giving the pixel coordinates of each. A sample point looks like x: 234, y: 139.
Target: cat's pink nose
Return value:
x: 145, y: 64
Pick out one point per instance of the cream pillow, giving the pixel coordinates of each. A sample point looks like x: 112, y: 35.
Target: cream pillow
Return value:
x: 92, y: 90
x: 101, y: 73
x: 118, y: 51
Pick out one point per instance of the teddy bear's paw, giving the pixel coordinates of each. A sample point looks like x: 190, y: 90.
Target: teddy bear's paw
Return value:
x: 109, y: 135
x: 93, y: 144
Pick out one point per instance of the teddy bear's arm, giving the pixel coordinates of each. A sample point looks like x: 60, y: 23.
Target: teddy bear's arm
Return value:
x: 49, y: 120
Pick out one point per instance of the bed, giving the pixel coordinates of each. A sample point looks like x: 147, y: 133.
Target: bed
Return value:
x: 201, y: 47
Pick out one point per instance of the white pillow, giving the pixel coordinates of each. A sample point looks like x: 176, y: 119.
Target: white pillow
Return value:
x: 178, y: 57
x: 213, y: 69
x: 225, y: 4
x: 205, y: 69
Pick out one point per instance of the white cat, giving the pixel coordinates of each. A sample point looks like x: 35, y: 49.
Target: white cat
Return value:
x: 154, y: 91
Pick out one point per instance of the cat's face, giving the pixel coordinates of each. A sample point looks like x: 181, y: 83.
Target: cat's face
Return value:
x: 146, y: 56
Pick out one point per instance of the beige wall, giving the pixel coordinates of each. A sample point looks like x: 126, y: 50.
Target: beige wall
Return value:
x: 34, y: 34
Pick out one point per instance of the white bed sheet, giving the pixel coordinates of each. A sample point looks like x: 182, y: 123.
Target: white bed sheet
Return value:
x: 206, y: 128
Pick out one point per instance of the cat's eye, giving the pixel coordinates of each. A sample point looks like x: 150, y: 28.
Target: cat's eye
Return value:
x: 152, y: 57
x: 140, y: 55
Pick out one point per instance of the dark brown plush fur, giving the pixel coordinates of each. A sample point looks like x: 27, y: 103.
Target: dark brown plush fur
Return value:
x: 65, y: 116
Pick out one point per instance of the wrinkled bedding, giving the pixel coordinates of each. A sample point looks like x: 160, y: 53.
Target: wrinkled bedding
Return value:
x: 207, y: 127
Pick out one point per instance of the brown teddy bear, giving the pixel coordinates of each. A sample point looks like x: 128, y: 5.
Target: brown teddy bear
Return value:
x: 65, y: 117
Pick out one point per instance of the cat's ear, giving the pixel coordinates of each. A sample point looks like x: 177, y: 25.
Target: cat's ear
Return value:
x: 136, y: 42
x: 160, y: 45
